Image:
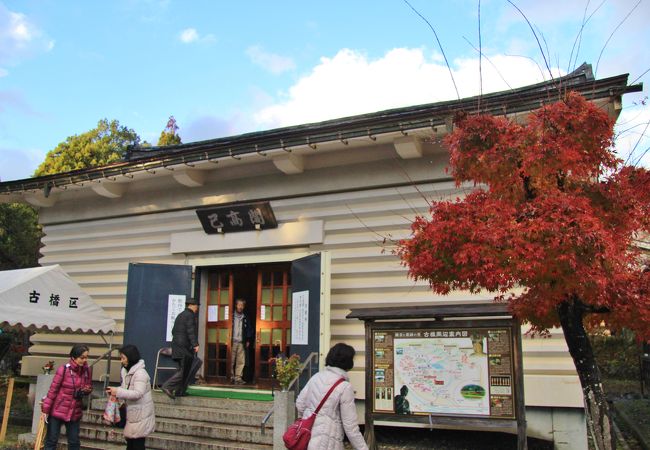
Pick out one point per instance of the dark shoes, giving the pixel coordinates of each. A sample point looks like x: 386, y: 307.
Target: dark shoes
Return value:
x: 168, y: 393
x: 239, y: 382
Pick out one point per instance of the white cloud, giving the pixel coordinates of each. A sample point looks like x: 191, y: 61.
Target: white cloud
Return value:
x: 188, y: 35
x: 191, y: 35
x: 274, y: 63
x: 20, y: 38
x: 350, y: 83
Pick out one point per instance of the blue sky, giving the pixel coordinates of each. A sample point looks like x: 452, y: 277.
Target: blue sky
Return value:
x: 224, y: 68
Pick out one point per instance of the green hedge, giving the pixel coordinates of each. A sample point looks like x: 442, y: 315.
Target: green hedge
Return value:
x: 617, y: 356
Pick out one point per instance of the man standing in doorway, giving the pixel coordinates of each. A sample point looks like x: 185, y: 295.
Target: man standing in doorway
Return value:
x: 185, y: 345
x: 242, y: 334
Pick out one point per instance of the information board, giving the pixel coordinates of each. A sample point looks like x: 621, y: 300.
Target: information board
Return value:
x: 466, y: 371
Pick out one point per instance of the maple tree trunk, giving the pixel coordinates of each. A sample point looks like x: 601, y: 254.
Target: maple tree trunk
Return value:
x: 598, y: 414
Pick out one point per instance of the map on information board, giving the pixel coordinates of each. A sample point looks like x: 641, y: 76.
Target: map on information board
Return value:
x: 443, y: 375
x: 466, y: 371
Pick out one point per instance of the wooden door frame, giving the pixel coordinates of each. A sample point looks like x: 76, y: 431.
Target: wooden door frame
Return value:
x: 264, y: 257
x: 285, y: 268
x: 215, y: 325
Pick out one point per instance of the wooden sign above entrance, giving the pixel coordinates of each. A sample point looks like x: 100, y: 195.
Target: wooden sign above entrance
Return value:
x: 233, y: 218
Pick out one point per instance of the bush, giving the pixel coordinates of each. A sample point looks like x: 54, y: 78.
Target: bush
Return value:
x: 617, y: 355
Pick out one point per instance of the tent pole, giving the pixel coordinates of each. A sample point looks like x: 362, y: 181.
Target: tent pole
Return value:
x: 5, y: 416
x: 107, y: 378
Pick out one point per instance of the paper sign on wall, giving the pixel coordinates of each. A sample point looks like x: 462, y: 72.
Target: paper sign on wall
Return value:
x: 263, y: 312
x: 175, y: 306
x: 225, y: 312
x: 300, y: 318
x: 212, y: 313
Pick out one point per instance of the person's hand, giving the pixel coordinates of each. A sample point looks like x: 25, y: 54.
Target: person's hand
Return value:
x: 87, y: 389
x: 248, y: 344
x: 111, y: 390
x: 196, y: 349
x: 44, y: 417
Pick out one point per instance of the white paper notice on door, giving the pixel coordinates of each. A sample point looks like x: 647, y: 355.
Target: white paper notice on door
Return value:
x: 213, y: 310
x: 225, y: 312
x: 263, y: 312
x: 300, y: 318
x: 175, y: 306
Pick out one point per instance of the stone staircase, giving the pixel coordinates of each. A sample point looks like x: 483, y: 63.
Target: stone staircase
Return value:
x: 188, y: 423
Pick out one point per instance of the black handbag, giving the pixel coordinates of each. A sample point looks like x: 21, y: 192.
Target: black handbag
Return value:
x: 122, y: 422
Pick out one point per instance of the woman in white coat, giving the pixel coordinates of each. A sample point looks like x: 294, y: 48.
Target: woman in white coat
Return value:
x: 338, y: 414
x: 136, y: 391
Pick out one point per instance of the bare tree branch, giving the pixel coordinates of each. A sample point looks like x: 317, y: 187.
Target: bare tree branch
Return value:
x: 536, y: 38
x: 541, y: 71
x: 578, y: 39
x: 480, y: 58
x: 491, y: 63
x: 439, y: 45
x: 640, y: 76
x: 611, y: 35
x: 637, y: 144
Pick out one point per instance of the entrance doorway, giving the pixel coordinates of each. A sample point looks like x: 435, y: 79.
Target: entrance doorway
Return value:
x: 267, y: 291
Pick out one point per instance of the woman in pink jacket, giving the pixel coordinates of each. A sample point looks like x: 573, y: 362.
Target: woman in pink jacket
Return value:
x: 338, y: 414
x: 62, y: 405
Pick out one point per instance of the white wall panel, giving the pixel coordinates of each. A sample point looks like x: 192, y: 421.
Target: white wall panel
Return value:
x: 359, y: 230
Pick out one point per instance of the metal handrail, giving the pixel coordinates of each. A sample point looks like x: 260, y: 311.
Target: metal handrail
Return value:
x: 296, y: 381
x: 106, y: 376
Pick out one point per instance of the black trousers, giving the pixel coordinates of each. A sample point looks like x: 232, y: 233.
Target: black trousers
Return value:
x: 184, y: 376
x: 135, y: 444
x: 54, y: 430
x: 178, y: 382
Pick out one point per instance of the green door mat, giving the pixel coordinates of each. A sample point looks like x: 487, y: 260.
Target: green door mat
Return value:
x: 239, y: 394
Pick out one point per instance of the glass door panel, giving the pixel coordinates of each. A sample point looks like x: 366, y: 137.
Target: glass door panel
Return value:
x: 218, y: 325
x: 273, y: 317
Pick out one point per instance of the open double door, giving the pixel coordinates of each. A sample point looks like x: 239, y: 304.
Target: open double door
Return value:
x: 268, y: 290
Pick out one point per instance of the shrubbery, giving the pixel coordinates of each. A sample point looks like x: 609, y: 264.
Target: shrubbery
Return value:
x: 617, y: 355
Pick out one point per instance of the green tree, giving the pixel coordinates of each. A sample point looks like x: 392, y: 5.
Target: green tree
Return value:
x: 102, y: 145
x: 168, y: 136
x: 20, y: 236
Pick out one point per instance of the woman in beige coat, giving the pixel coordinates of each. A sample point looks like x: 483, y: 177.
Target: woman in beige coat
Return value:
x: 136, y: 391
x: 338, y: 414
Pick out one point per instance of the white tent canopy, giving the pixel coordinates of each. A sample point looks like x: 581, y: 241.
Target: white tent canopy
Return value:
x: 47, y: 298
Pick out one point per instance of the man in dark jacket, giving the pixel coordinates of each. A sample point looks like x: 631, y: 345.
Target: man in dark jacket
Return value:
x: 185, y: 345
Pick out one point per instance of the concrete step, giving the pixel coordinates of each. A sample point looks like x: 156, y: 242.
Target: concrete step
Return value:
x: 197, y: 413
x: 222, y: 403
x: 216, y: 415
x: 92, y: 433
x: 202, y: 402
x: 200, y: 428
x: 87, y: 444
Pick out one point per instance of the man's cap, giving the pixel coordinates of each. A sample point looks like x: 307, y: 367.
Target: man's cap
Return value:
x: 192, y: 301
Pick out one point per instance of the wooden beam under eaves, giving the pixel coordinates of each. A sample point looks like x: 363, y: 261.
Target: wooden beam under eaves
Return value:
x: 39, y: 199
x: 408, y: 147
x: 190, y: 177
x: 290, y: 163
x: 109, y: 189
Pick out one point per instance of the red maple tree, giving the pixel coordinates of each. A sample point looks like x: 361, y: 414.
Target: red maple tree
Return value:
x: 554, y: 218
